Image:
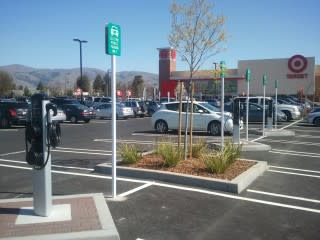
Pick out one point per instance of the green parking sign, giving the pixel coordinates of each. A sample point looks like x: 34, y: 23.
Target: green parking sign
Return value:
x: 113, y: 39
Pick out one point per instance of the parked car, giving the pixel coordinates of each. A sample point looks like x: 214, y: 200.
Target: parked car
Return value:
x: 292, y: 111
x: 97, y: 101
x: 78, y: 112
x: 105, y: 111
x: 139, y: 109
x: 60, y: 101
x: 152, y: 106
x: 314, y: 117
x: 255, y: 112
x: 204, y: 119
x: 13, y: 113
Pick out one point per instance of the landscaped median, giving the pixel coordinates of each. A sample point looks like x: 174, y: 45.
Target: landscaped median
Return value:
x: 236, y: 185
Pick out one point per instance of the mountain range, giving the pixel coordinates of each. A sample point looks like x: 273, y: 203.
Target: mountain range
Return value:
x: 66, y: 78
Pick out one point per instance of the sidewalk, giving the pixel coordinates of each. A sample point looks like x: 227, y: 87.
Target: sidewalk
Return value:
x: 84, y: 216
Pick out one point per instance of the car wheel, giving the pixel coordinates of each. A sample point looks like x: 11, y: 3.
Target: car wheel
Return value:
x: 288, y: 114
x: 4, y: 123
x: 317, y: 122
x: 214, y: 128
x: 87, y: 120
x: 73, y: 119
x: 161, y: 126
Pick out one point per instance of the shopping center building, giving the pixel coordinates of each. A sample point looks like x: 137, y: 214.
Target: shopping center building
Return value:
x: 294, y: 74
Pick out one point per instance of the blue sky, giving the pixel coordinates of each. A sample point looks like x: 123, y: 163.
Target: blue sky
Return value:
x: 39, y: 33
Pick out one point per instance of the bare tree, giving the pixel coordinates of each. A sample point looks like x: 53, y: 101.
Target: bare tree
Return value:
x: 196, y: 34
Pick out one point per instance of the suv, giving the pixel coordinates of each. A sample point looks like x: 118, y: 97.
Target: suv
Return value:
x: 12, y: 112
x: 139, y: 108
x: 291, y: 111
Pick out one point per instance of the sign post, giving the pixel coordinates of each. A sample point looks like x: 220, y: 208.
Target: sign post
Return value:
x: 113, y: 48
x: 264, y: 82
x: 222, y: 75
x: 276, y: 103
x: 248, y: 79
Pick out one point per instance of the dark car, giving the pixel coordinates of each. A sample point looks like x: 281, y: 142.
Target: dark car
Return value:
x: 13, y: 113
x: 139, y: 108
x: 78, y: 112
x: 152, y: 107
x: 60, y: 101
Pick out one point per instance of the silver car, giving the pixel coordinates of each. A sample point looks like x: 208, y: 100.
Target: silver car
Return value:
x: 105, y: 111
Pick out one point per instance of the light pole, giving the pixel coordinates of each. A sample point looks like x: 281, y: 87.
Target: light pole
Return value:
x: 80, y: 42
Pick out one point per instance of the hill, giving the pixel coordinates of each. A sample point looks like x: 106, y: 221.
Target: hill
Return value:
x: 66, y: 78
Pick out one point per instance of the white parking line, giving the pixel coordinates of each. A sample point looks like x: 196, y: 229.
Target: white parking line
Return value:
x: 8, y: 130
x: 6, y: 154
x: 136, y: 189
x: 293, y: 173
x: 284, y: 196
x: 84, y: 149
x: 295, y: 169
x: 89, y: 153
x: 188, y: 189
x: 294, y: 154
x: 305, y: 153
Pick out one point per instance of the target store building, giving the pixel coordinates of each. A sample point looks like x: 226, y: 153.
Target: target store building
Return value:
x: 294, y: 74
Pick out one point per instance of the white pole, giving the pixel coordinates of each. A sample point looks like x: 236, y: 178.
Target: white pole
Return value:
x: 114, y: 128
x: 222, y: 63
x: 247, y: 111
x: 276, y: 105
x: 264, y: 108
x: 168, y: 96
x: 42, y: 183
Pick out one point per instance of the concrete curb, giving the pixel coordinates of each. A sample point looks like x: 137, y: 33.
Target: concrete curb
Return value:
x: 235, y: 186
x: 247, y: 146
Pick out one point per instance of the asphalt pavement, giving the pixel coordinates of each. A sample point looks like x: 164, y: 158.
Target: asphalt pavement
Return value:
x: 284, y: 203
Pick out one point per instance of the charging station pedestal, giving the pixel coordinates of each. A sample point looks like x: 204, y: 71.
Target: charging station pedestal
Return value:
x: 42, y: 184
x: 236, y: 122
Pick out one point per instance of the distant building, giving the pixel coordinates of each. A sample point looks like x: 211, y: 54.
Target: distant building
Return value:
x: 294, y: 74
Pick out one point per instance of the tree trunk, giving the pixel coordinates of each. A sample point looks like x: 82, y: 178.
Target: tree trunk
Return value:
x: 180, y: 110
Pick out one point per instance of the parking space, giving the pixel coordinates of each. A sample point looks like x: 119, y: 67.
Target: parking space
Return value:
x: 278, y: 204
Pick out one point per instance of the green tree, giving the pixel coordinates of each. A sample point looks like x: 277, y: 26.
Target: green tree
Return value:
x: 6, y: 83
x: 97, y: 84
x: 41, y: 87
x: 26, y: 92
x: 196, y: 34
x: 137, y: 86
x: 84, y: 84
x: 106, y: 88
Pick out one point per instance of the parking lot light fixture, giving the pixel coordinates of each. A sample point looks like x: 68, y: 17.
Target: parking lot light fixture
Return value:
x: 80, y: 42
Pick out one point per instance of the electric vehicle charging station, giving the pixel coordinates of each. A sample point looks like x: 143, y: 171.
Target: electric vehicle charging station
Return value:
x: 42, y: 133
x: 271, y: 113
x: 236, y: 121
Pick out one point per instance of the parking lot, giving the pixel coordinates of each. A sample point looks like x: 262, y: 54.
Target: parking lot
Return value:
x: 284, y: 203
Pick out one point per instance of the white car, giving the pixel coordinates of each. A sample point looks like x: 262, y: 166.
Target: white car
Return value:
x: 105, y: 111
x: 204, y: 118
x: 314, y: 117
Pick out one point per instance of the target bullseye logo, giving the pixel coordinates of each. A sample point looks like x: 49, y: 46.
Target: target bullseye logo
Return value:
x: 297, y: 63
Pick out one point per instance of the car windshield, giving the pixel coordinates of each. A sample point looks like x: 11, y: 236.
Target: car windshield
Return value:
x: 209, y: 106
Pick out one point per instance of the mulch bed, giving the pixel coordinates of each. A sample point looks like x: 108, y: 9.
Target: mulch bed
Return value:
x: 191, y: 166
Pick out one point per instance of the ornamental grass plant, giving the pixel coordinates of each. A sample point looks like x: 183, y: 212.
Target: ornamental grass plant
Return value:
x: 130, y: 153
x: 217, y: 161
x: 170, y: 153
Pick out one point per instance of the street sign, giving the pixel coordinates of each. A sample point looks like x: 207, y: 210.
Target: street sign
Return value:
x: 113, y: 39
x: 264, y: 80
x: 248, y: 75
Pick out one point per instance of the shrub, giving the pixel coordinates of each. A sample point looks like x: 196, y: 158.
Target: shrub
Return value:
x: 219, y: 160
x: 130, y: 153
x: 170, y: 153
x: 199, y: 148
